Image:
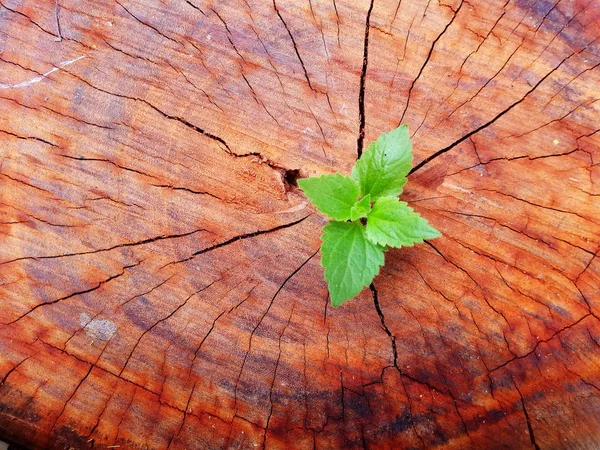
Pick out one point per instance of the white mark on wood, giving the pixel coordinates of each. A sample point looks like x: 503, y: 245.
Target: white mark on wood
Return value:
x: 471, y: 193
x: 41, y: 77
x: 458, y: 188
x: 97, y: 328
x: 293, y: 209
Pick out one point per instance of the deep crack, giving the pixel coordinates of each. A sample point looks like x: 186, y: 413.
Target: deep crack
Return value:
x: 363, y: 77
x: 382, y: 319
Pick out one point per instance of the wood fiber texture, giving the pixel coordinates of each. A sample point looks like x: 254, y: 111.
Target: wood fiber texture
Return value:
x: 160, y: 279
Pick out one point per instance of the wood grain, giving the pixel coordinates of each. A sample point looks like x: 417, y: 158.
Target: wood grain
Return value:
x: 160, y: 278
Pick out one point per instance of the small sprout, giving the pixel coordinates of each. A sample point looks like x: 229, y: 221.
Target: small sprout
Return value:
x: 367, y: 217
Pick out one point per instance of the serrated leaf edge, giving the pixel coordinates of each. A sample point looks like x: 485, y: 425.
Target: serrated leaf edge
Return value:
x: 325, y: 270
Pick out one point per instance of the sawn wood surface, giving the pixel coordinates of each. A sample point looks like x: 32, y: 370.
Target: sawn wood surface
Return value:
x: 160, y: 278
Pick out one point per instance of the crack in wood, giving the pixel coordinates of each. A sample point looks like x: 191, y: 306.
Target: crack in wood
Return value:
x: 284, y: 172
x: 239, y: 238
x: 489, y: 122
x: 74, y: 294
x: 363, y: 80
x: 137, y: 19
x: 527, y: 418
x: 543, y: 341
x: 164, y: 319
x: 27, y: 138
x: 14, y: 11
x: 295, y: 47
x: 260, y: 321
x: 539, y: 205
x: 330, y: 361
x: 101, y: 250
x: 412, y: 85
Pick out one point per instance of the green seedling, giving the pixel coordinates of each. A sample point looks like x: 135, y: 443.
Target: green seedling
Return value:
x: 367, y: 217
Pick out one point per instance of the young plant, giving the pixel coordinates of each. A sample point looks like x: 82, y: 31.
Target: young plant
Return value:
x: 367, y: 216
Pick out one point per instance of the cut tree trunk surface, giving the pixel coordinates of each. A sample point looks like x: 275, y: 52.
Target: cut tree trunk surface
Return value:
x: 160, y: 278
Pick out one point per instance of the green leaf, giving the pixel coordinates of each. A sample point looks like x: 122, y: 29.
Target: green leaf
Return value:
x: 361, y: 209
x: 350, y: 260
x: 333, y: 195
x: 392, y: 222
x: 383, y: 167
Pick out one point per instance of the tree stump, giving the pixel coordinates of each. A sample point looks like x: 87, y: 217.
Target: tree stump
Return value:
x: 160, y: 275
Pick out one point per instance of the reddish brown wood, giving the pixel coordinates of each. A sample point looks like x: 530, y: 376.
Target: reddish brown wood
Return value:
x: 159, y: 270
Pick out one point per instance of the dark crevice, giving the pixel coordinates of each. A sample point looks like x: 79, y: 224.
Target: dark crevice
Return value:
x: 74, y: 294
x: 145, y: 293
x: 147, y: 24
x: 83, y: 158
x: 229, y: 36
x: 295, y: 46
x: 128, y: 244
x: 55, y: 112
x: 363, y: 78
x: 28, y: 18
x: 167, y: 317
x: 261, y: 158
x: 520, y: 232
x: 490, y: 32
x: 185, y: 413
x: 550, y: 208
x: 395, y: 14
x: 556, y: 34
x: 190, y: 125
x: 382, y: 319
x: 130, y: 54
x: 497, y: 311
x: 395, y: 365
x: 290, y: 177
x: 195, y: 192
x: 12, y: 370
x: 133, y: 383
x: 27, y: 138
x: 427, y: 60
x: 260, y: 321
x: 586, y: 267
x: 543, y: 341
x: 196, y: 7
x: 559, y: 119
x: 21, y: 66
x: 204, y: 339
x: 481, y: 88
x: 337, y: 21
x: 319, y: 123
x: 104, y: 127
x: 512, y: 158
x: 527, y: 419
x: 239, y: 238
x: 250, y: 235
x: 39, y: 219
x: 71, y: 397
x: 488, y: 123
x: 162, y: 113
x: 212, y: 102
x: 16, y: 180
x: 272, y: 401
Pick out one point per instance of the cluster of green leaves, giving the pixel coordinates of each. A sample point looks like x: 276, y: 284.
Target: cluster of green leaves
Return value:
x: 367, y: 216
